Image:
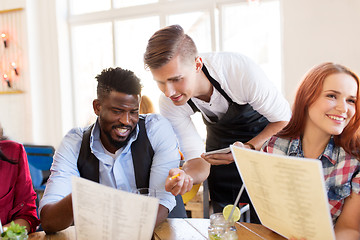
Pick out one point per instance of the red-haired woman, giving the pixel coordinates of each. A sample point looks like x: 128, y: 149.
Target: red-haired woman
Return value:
x: 325, y: 126
x: 17, y: 197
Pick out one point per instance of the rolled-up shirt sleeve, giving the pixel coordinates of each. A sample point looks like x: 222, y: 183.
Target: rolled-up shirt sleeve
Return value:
x: 166, y: 156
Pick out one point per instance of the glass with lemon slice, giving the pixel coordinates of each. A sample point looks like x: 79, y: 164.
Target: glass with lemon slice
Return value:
x: 223, y: 228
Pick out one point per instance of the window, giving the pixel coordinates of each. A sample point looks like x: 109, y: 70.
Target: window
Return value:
x: 127, y: 3
x: 88, y: 6
x: 196, y: 25
x: 130, y: 47
x: 117, y: 32
x: 87, y: 64
x: 254, y: 30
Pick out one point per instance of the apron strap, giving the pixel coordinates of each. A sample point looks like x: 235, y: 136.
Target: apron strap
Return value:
x: 216, y: 84
x: 217, y: 87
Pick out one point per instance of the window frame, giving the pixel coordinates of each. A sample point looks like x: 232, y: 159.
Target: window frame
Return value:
x: 161, y: 9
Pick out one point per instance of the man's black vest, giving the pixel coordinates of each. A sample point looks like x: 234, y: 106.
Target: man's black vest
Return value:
x: 141, y: 151
x: 142, y: 155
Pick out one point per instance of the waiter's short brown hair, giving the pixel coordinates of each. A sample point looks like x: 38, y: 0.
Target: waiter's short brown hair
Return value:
x: 167, y: 43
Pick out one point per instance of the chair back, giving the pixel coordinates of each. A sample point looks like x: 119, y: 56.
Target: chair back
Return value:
x: 40, y: 158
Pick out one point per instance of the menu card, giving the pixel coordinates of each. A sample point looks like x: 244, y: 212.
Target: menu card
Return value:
x: 101, y: 212
x: 288, y: 193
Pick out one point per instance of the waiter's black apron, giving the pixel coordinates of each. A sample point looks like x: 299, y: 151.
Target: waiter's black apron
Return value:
x: 240, y: 123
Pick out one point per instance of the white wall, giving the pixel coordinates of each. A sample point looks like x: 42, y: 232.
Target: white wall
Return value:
x: 315, y: 31
x: 35, y: 116
x: 11, y: 4
x: 16, y: 117
x: 44, y: 71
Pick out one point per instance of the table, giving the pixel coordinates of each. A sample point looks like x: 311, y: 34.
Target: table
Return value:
x: 67, y: 234
x: 180, y: 229
x: 251, y: 231
x: 196, y: 228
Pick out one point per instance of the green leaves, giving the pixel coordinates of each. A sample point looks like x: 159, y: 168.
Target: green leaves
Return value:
x: 14, y: 232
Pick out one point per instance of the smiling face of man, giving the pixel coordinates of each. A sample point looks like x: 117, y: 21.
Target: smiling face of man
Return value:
x: 118, y: 115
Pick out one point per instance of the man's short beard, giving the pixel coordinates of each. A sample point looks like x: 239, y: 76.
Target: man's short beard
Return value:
x: 118, y: 144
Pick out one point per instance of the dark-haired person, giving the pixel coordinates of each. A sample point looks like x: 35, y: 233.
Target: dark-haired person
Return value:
x: 121, y: 149
x: 17, y: 196
x: 235, y: 98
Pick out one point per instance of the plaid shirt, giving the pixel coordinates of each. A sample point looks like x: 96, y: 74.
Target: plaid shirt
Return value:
x: 341, y: 170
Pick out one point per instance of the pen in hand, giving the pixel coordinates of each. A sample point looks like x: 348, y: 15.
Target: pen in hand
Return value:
x: 175, y: 176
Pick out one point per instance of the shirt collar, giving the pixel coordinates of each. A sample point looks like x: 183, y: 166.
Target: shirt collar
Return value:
x: 330, y: 152
x: 95, y: 136
x: 295, y: 149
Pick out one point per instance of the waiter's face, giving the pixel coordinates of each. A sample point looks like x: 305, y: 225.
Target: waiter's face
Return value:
x: 177, y: 79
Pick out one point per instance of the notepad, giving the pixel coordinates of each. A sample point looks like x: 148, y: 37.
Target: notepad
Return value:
x: 101, y: 212
x: 288, y: 193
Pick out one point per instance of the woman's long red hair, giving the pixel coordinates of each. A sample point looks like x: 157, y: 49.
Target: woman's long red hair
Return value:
x: 308, y: 91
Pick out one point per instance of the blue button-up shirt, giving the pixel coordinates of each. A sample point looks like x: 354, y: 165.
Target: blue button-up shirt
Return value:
x: 116, y: 170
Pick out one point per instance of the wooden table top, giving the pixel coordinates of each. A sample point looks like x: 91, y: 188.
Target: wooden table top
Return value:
x: 251, y: 231
x: 197, y: 228
x: 180, y: 229
x: 67, y: 234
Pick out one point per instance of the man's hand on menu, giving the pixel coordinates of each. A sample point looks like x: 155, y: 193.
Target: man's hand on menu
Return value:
x: 58, y: 215
x: 178, y: 182
x: 222, y: 158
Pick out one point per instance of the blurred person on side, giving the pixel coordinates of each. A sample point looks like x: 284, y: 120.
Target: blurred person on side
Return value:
x: 146, y: 105
x: 17, y: 196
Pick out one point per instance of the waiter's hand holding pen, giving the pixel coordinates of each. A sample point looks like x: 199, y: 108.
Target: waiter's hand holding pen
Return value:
x: 178, y: 182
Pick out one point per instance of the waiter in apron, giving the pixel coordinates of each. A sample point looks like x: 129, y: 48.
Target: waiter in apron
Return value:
x: 237, y: 102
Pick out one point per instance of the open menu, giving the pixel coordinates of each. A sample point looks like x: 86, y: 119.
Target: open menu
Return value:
x: 288, y: 193
x: 101, y: 212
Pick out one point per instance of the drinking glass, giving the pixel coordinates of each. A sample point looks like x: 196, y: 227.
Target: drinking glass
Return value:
x: 221, y: 229
x: 150, y: 192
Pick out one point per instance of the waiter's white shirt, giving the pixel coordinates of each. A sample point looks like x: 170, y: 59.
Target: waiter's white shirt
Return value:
x: 243, y: 81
